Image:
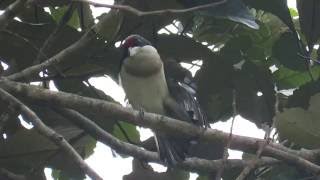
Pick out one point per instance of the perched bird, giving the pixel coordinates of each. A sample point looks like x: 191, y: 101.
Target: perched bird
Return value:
x: 142, y: 76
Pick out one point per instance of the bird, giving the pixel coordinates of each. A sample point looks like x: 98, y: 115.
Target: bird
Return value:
x: 142, y: 75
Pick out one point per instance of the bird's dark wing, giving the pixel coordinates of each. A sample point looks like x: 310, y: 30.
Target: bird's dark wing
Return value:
x: 181, y: 105
x: 184, y: 105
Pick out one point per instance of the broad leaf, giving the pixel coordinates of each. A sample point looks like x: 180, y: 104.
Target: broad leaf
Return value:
x: 301, y: 96
x: 309, y: 16
x: 109, y: 25
x: 300, y: 126
x: 234, y: 10
x: 289, y: 79
x: 130, y: 131
x: 288, y: 52
x: 58, y: 13
x: 276, y: 7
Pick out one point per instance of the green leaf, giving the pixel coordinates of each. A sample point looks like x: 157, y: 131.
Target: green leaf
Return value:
x: 214, y: 81
x: 293, y: 12
x: 300, y: 126
x: 58, y: 13
x: 129, y: 129
x: 27, y: 149
x: 309, y: 17
x: 109, y: 25
x: 301, y: 96
x: 288, y: 79
x: 85, y: 16
x: 234, y: 10
x: 254, y: 93
x: 211, y: 30
x: 61, y: 175
x: 182, y: 47
x: 286, y: 50
x: 276, y: 7
x: 216, y: 96
x: 235, y: 48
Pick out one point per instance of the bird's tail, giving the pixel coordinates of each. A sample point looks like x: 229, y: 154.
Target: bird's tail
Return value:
x: 171, y: 151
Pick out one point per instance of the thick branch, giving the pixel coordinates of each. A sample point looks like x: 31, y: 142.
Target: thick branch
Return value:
x: 49, y: 133
x: 137, y: 12
x: 126, y: 148
x: 156, y: 122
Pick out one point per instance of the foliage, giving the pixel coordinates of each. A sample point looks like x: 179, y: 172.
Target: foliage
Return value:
x: 249, y: 50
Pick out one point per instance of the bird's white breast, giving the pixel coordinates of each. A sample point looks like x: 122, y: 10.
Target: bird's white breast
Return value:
x: 146, y: 92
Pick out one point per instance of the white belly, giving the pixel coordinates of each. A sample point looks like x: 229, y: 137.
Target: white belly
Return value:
x: 146, y: 93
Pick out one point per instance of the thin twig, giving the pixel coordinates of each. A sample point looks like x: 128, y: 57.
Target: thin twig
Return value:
x: 49, y: 133
x: 253, y: 164
x: 156, y: 12
x: 226, y: 148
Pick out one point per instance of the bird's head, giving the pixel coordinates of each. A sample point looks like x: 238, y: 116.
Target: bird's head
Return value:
x: 135, y: 41
x: 139, y: 55
x: 131, y: 44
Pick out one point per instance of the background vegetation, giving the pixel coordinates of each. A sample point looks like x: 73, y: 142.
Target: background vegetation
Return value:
x: 256, y: 58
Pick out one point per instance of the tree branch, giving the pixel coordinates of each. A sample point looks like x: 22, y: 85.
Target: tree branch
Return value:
x: 85, y: 40
x: 49, y: 133
x: 227, y: 146
x: 101, y: 135
x: 246, y: 171
x: 133, y: 150
x: 10, y: 175
x: 137, y: 12
x: 10, y: 12
x: 158, y: 123
x: 63, y: 55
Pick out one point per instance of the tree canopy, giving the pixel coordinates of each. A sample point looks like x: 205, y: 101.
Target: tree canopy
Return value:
x: 254, y: 58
